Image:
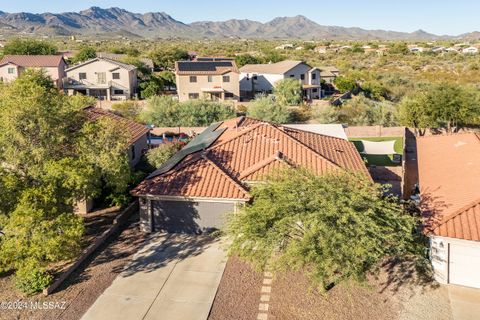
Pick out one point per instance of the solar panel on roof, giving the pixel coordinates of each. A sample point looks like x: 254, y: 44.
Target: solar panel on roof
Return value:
x: 200, y: 142
x: 202, y: 65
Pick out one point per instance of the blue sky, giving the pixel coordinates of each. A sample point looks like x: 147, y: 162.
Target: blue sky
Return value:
x: 436, y: 16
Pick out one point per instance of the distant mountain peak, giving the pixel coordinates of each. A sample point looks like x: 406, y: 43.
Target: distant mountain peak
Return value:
x: 96, y: 21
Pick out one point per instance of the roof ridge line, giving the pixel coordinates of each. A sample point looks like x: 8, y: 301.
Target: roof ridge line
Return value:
x: 458, y: 212
x: 278, y: 155
x: 307, y: 147
x: 239, y: 134
x: 222, y: 171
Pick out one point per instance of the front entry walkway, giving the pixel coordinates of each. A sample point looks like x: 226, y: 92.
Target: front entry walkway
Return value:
x: 172, y: 277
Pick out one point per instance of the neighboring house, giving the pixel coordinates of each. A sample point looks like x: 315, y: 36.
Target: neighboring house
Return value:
x: 470, y: 50
x: 262, y: 78
x: 212, y: 175
x: 449, y: 183
x: 328, y: 73
x: 208, y: 78
x: 415, y: 49
x: 12, y: 66
x: 286, y: 46
x: 122, y: 57
x: 102, y: 78
x: 138, y: 143
x: 321, y: 49
x: 137, y: 132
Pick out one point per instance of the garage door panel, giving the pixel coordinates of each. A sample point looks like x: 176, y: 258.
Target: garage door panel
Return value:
x: 189, y: 216
x: 465, y: 265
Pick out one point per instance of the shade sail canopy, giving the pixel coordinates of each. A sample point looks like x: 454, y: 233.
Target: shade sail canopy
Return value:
x: 378, y: 147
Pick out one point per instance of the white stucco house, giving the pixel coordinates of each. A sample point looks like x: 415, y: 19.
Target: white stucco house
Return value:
x: 261, y: 78
x: 449, y: 182
x: 103, y: 78
x: 470, y: 50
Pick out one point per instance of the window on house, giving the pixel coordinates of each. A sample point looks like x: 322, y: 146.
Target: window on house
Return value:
x: 11, y: 70
x: 302, y: 77
x: 229, y: 95
x: 117, y: 91
x: 210, y: 78
x: 132, y: 151
x: 82, y: 76
x: 292, y: 76
x: 226, y: 78
x: 314, y: 76
x: 315, y: 90
x: 101, y: 78
x: 115, y: 76
x: 193, y: 96
x: 193, y: 78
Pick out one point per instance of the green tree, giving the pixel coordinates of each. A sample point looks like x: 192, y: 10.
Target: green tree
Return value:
x: 288, y: 91
x: 151, y: 87
x: 244, y: 59
x: 337, y: 226
x: 158, y: 156
x: 345, y: 84
x: 85, y: 53
x: 443, y: 105
x: 267, y: 109
x: 127, y: 109
x: 399, y: 48
x: 164, y: 58
x: 29, y: 47
x: 163, y: 111
x: 52, y: 156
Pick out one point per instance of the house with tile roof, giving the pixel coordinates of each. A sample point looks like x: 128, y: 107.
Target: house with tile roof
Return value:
x: 12, y: 66
x: 449, y: 183
x: 262, y: 78
x: 212, y: 175
x: 102, y: 78
x: 137, y: 132
x: 138, y: 143
x: 207, y: 78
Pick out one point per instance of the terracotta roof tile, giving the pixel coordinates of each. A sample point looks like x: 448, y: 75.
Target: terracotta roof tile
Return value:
x: 449, y: 171
x: 248, y: 150
x: 33, y: 60
x: 135, y: 129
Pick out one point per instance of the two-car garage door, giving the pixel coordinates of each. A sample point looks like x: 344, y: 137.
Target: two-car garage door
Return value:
x: 189, y: 216
x: 464, y: 268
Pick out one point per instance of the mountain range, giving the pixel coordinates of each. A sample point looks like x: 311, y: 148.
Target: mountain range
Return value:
x: 110, y: 22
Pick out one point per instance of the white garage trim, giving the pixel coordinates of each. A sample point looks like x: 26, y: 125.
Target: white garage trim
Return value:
x: 455, y: 261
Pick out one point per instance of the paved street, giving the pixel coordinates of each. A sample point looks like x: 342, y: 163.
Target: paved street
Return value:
x: 172, y: 277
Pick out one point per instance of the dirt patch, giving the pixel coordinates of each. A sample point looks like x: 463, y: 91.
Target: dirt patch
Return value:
x: 84, y: 286
x: 238, y: 294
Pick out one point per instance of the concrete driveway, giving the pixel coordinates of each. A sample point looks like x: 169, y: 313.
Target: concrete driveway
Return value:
x: 465, y: 302
x: 171, y: 277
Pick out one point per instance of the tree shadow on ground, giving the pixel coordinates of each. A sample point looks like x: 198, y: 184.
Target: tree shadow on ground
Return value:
x: 162, y: 249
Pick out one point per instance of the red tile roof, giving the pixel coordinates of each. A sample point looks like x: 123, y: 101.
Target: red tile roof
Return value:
x: 248, y: 150
x: 134, y: 129
x: 33, y: 60
x: 449, y: 178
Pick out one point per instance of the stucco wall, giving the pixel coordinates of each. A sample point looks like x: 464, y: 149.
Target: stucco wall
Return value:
x: 140, y: 146
x: 184, y: 86
x: 56, y: 73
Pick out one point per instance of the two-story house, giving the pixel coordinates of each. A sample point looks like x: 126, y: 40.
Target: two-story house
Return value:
x: 207, y: 78
x: 12, y: 66
x: 102, y: 78
x: 261, y: 78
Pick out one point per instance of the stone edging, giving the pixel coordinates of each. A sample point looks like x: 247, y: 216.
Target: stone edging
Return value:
x: 117, y: 222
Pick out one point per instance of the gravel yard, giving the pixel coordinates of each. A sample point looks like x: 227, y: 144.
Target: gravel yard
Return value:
x: 84, y: 286
x: 395, y: 292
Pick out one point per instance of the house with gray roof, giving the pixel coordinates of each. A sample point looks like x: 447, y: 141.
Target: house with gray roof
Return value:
x: 102, y: 78
x: 262, y: 78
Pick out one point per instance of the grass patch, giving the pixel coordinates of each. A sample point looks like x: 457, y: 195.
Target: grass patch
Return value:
x: 380, y: 160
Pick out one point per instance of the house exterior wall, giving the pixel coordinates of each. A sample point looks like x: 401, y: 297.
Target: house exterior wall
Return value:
x: 185, y: 87
x: 444, y: 250
x: 56, y: 73
x: 136, y: 150
x: 127, y: 81
x: 265, y: 82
